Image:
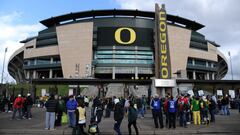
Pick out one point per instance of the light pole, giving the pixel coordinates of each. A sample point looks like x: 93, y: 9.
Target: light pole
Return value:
x: 231, y: 64
x: 3, y: 64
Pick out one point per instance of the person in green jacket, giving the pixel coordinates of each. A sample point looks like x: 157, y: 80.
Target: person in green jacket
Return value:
x: 195, y: 108
x: 132, y: 118
x: 60, y: 110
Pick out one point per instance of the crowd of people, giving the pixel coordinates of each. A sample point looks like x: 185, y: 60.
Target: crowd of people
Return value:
x: 20, y: 104
x: 165, y: 111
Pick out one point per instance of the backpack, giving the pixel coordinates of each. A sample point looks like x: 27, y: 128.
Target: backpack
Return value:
x: 172, y: 106
x: 156, y: 105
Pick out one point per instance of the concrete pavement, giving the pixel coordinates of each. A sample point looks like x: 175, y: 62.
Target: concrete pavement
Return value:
x: 35, y: 126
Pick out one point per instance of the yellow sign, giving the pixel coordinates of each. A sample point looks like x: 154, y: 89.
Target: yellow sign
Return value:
x: 131, y: 39
x: 165, y: 67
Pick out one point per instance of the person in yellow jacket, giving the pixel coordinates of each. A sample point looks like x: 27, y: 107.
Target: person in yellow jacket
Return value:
x: 195, y: 108
x: 81, y: 118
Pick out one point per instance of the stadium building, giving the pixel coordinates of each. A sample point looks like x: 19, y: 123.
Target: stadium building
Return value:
x: 114, y: 44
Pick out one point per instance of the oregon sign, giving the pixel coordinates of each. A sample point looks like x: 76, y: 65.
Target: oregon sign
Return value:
x: 132, y: 36
x: 124, y: 36
x: 163, y: 45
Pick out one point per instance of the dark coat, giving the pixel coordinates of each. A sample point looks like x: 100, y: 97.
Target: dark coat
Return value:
x: 51, y: 105
x: 118, y: 112
x: 132, y: 114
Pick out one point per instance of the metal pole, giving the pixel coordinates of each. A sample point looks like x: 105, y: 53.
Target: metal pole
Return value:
x: 231, y: 64
x: 3, y: 65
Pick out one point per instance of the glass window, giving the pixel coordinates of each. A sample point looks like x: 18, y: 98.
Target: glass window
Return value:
x: 200, y: 63
x: 190, y: 61
x: 43, y: 61
x: 56, y: 60
x: 124, y: 61
x: 31, y: 62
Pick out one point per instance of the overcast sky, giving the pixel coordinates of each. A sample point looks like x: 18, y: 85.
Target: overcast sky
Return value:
x: 20, y: 19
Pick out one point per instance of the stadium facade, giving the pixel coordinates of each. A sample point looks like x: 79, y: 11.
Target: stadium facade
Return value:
x: 114, y: 44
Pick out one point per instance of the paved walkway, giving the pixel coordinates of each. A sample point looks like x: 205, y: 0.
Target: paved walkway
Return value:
x: 224, y: 125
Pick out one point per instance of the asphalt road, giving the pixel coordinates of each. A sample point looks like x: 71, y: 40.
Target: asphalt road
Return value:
x: 223, y: 125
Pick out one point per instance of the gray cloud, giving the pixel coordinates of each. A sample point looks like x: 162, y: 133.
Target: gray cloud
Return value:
x: 221, y: 18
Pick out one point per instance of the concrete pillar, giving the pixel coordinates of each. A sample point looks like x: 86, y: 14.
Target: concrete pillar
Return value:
x: 50, y: 73
x: 208, y: 78
x: 162, y: 92
x: 136, y: 72
x: 51, y: 60
x: 213, y: 76
x: 34, y: 74
x: 194, y: 75
x: 193, y: 61
x: 28, y: 74
x: 113, y: 72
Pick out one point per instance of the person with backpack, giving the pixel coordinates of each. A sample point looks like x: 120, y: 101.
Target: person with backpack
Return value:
x: 71, y: 107
x: 132, y: 118
x: 157, y: 111
x: 172, y: 110
x: 118, y: 115
x: 195, y: 108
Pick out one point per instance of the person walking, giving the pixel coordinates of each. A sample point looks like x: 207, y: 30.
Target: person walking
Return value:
x: 17, y: 106
x: 51, y: 106
x: 118, y: 115
x: 139, y: 103
x: 71, y: 107
x: 195, y: 108
x: 157, y: 111
x: 29, y: 103
x: 132, y: 118
x: 172, y: 110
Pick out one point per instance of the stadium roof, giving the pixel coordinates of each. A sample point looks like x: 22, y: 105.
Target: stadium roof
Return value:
x: 117, y: 12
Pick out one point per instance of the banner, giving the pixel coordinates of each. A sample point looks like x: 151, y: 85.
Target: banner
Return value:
x: 190, y: 92
x: 124, y: 36
x: 219, y: 92
x: 200, y: 93
x: 232, y: 93
x: 43, y: 92
x: 164, y: 52
x: 70, y: 92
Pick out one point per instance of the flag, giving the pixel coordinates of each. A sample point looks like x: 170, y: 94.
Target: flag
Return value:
x: 6, y: 49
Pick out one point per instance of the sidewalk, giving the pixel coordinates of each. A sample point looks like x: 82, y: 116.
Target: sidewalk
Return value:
x: 224, y: 125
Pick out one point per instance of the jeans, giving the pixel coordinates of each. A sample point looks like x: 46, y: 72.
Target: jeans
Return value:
x: 141, y: 111
x: 19, y: 113
x: 172, y: 120
x: 212, y: 113
x: 224, y: 109
x: 227, y: 109
x: 134, y: 123
x: 239, y: 107
x: 117, y: 127
x: 50, y: 120
x: 79, y: 130
x: 157, y: 116
x: 183, y: 120
x: 29, y: 114
x: 72, y: 119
